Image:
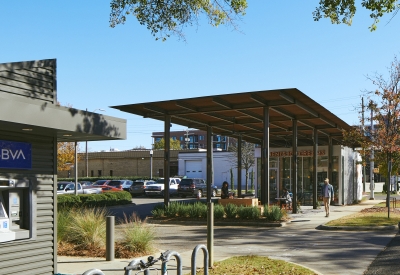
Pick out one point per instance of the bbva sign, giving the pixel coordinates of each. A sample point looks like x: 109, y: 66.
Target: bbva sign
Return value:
x: 15, y: 155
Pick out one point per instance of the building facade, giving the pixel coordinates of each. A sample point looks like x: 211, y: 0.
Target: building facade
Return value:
x: 195, y: 139
x: 123, y: 164
x: 31, y: 124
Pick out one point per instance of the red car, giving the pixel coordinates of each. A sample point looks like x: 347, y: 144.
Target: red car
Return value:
x: 117, y: 185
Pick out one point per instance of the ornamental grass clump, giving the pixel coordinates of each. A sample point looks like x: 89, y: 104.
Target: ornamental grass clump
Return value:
x: 63, y: 221
x: 87, y: 228
x: 137, y: 238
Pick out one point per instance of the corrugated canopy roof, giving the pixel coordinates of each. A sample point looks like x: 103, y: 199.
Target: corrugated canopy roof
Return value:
x: 242, y: 114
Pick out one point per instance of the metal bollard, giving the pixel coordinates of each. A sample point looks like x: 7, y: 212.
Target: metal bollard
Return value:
x: 194, y: 253
x: 93, y: 272
x: 110, y: 253
x: 178, y: 262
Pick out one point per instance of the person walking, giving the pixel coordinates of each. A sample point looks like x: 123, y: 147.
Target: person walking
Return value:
x: 327, y: 195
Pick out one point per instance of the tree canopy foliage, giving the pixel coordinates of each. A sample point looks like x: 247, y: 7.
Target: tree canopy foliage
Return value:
x: 384, y: 137
x: 166, y: 17
x: 343, y: 11
x: 65, y: 155
x: 174, y: 144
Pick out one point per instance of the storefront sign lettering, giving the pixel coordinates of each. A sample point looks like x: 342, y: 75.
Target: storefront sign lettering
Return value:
x: 303, y: 153
x: 15, y: 155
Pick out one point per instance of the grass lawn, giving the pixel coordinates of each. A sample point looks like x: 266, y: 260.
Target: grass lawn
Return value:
x: 375, y: 216
x: 254, y: 265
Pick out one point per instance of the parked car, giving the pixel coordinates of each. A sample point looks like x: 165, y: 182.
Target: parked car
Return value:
x: 157, y: 189
x: 101, y: 183
x: 86, y: 183
x: 196, y: 187
x: 66, y: 187
x: 117, y: 185
x: 138, y: 187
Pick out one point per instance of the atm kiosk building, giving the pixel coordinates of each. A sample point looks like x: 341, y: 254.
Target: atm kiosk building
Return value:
x: 31, y: 124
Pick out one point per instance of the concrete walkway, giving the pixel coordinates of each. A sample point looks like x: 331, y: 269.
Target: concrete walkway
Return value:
x: 300, y: 242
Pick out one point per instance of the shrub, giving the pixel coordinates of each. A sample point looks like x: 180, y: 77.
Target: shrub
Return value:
x: 138, y: 236
x: 173, y: 209
x: 87, y: 228
x: 273, y: 213
x: 249, y: 212
x: 93, y: 200
x: 231, y: 210
x: 219, y: 211
x: 197, y: 210
x: 158, y: 211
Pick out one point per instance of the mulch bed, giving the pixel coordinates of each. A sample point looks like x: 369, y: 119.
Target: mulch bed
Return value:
x: 376, y: 209
x: 68, y: 249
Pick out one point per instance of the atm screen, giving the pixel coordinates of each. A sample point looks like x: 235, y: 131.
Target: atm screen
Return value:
x: 2, y: 212
x: 4, y: 183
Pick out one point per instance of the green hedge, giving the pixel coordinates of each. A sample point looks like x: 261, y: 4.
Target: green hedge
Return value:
x: 93, y: 200
x: 93, y: 179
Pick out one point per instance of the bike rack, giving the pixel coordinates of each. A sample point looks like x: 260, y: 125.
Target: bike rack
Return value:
x: 178, y: 262
x: 133, y: 265
x: 194, y: 253
x: 93, y: 272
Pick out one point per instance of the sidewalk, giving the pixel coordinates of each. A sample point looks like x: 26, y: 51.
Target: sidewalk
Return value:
x: 326, y: 252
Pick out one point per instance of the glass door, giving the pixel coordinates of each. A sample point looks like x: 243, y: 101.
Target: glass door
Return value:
x: 273, y: 183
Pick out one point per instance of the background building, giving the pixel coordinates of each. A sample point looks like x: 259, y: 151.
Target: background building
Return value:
x: 195, y: 139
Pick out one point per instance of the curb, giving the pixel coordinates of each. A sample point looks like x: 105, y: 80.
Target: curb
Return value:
x: 357, y: 228
x: 220, y: 223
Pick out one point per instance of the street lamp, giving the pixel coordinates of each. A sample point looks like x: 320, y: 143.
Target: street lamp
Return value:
x: 86, y: 155
x: 151, y: 164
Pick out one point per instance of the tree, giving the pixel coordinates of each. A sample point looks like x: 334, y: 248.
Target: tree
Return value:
x: 384, y: 103
x: 343, y: 11
x: 174, y: 144
x: 247, y: 158
x: 65, y: 155
x: 167, y: 17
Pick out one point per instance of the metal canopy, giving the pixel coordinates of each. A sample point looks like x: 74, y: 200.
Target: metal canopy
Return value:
x: 241, y: 114
x: 68, y: 124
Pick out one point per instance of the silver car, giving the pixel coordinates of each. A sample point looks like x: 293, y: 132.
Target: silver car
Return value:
x: 138, y: 187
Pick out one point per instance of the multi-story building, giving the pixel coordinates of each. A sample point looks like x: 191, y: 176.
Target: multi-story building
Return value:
x: 195, y: 139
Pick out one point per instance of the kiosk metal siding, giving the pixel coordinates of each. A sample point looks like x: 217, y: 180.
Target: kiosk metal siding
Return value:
x: 35, y: 253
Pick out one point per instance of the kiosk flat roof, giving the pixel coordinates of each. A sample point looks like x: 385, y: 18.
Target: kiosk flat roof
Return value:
x: 242, y: 114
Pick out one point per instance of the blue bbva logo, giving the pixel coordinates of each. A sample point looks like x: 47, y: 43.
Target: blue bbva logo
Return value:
x: 16, y: 155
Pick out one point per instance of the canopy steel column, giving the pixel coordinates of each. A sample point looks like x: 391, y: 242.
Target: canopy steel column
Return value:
x: 210, y: 205
x: 76, y: 168
x: 239, y: 166
x: 167, y: 137
x: 315, y: 164
x: 209, y: 162
x: 294, y: 164
x: 265, y: 160
x: 330, y: 160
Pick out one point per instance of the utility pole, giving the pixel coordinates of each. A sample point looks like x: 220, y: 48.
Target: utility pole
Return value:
x: 371, y: 168
x: 363, y: 132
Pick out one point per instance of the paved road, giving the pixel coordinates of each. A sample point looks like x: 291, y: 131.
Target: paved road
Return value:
x: 327, y: 252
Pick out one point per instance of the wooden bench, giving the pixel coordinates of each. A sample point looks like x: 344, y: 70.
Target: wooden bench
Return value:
x: 239, y: 201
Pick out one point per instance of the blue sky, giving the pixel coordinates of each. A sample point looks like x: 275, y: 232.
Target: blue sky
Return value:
x: 278, y: 46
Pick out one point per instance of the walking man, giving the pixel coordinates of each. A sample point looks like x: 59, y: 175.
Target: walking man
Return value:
x: 327, y: 195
